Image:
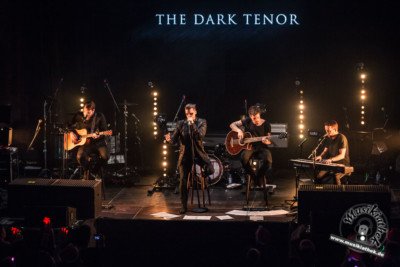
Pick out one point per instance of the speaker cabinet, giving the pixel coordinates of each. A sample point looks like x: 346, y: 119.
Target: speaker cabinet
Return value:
x: 84, y: 195
x: 333, y: 200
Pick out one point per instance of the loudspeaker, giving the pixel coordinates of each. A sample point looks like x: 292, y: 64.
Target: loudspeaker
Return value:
x: 84, y: 195
x: 60, y: 216
x: 333, y: 200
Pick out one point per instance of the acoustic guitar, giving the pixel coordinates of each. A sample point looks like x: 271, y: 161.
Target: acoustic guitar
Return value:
x: 82, y: 137
x: 234, y: 145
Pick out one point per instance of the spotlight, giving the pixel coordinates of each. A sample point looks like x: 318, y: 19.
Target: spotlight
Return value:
x: 362, y: 122
x: 301, y: 136
x: 155, y: 94
x: 363, y: 97
x: 363, y: 76
x: 301, y: 126
x: 301, y: 117
x: 164, y: 163
x: 155, y: 113
x: 301, y: 106
x: 82, y: 99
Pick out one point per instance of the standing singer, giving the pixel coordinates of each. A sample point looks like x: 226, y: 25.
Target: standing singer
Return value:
x: 190, y: 133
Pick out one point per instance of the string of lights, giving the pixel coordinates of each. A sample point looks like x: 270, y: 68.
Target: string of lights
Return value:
x: 363, y: 94
x: 164, y: 148
x: 301, y: 106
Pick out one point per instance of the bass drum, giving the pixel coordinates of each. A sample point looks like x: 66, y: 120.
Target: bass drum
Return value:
x: 218, y: 170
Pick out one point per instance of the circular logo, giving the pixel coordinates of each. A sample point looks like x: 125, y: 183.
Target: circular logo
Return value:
x: 365, y: 224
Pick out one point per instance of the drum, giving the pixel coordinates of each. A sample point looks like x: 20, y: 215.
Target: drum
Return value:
x: 218, y: 170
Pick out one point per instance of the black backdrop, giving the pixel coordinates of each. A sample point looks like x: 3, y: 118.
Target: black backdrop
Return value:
x: 85, y: 42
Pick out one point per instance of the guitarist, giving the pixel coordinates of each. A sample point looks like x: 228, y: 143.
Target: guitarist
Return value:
x: 93, y: 122
x: 256, y: 126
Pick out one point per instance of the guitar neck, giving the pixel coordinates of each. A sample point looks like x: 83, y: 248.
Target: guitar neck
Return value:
x: 93, y: 134
x: 255, y: 139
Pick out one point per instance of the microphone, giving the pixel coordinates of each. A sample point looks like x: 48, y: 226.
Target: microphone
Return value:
x: 302, y: 142
x: 323, y: 137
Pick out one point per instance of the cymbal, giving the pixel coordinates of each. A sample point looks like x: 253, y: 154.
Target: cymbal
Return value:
x: 362, y: 132
x: 128, y: 104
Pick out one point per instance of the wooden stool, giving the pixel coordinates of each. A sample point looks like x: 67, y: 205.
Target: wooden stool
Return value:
x: 201, y: 180
x: 250, y: 179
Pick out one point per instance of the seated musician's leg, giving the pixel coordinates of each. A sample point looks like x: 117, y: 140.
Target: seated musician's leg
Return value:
x: 104, y: 156
x: 245, y: 158
x: 320, y: 176
x: 266, y: 167
x: 338, y: 177
x: 81, y: 157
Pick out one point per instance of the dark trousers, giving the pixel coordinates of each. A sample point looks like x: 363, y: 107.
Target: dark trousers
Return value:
x: 326, y: 177
x: 84, y: 152
x: 184, y: 170
x: 261, y: 154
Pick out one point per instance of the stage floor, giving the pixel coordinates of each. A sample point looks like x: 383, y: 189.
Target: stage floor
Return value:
x: 135, y: 202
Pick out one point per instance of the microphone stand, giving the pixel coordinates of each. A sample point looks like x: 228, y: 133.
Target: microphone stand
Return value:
x: 116, y: 108
x: 179, y: 108
x: 193, y: 175
x: 297, y: 176
x: 35, y: 134
x: 313, y: 154
x: 45, y: 172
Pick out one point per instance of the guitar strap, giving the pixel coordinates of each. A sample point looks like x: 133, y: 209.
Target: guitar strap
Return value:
x: 93, y: 123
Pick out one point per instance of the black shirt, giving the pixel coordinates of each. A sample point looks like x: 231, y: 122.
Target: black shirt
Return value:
x: 334, y: 145
x: 262, y: 130
x: 97, y: 123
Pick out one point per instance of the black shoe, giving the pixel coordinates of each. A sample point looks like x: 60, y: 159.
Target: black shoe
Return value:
x: 183, y: 210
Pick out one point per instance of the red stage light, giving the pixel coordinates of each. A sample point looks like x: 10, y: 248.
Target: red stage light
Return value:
x: 15, y: 230
x: 46, y: 220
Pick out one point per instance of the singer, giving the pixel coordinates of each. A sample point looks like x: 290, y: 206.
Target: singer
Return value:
x: 190, y: 134
x: 93, y: 122
x: 335, y: 149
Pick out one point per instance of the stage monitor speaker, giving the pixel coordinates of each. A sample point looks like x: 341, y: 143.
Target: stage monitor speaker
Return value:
x: 84, y: 195
x: 333, y: 200
x: 60, y: 216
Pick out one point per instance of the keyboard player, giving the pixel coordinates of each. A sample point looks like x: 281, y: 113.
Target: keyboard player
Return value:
x: 335, y: 150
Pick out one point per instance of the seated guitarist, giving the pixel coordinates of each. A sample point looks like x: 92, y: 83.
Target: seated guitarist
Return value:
x: 93, y: 122
x: 256, y: 126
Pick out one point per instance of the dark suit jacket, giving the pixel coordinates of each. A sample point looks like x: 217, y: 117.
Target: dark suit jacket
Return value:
x: 181, y: 134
